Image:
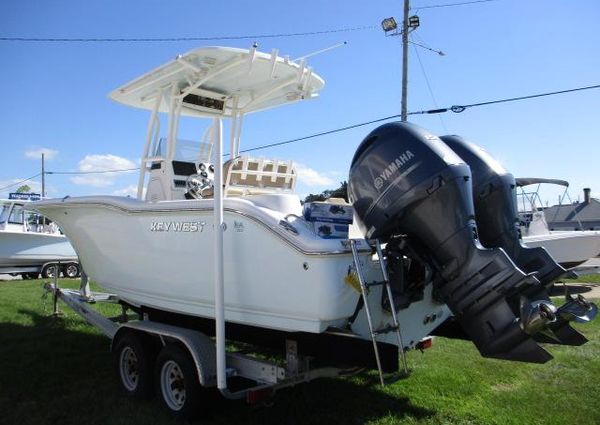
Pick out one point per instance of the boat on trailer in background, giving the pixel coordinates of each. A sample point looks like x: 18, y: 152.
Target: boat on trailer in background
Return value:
x: 31, y: 245
x: 228, y: 250
x: 570, y: 248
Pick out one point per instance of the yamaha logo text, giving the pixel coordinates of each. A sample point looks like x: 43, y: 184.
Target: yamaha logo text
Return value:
x: 392, y: 168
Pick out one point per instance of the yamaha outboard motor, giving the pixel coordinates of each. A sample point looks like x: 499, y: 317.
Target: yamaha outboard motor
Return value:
x: 406, y: 184
x: 497, y: 218
x: 496, y: 211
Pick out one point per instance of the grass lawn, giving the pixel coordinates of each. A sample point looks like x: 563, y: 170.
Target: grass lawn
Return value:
x: 590, y: 278
x: 58, y: 371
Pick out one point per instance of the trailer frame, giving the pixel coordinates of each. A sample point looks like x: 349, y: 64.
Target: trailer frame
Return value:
x: 268, y: 376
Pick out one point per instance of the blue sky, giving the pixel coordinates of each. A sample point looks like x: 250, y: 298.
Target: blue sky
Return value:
x: 55, y: 94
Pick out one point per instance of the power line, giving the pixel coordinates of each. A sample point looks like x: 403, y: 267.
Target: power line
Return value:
x: 324, y: 133
x: 177, y: 39
x: 454, y: 108
x: 464, y: 3
x: 429, y: 87
x: 93, y: 172
x: 461, y: 108
x: 19, y: 182
x: 414, y: 43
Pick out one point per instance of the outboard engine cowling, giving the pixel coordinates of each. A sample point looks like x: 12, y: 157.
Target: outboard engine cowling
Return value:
x: 406, y: 181
x: 497, y: 219
x: 496, y: 212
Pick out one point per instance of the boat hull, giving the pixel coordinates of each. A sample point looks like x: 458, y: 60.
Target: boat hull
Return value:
x: 30, y: 249
x: 568, y: 248
x: 161, y: 256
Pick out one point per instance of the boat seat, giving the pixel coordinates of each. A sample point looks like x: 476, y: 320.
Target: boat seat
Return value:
x: 245, y: 176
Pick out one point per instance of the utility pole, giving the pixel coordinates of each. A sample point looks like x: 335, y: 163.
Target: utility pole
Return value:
x: 390, y: 27
x: 404, y: 103
x: 43, y: 178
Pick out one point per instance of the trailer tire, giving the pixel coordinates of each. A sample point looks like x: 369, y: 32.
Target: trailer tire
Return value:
x: 133, y: 363
x: 71, y: 270
x: 177, y: 382
x: 49, y: 270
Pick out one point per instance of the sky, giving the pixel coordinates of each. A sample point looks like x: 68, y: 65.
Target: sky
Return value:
x: 54, y: 96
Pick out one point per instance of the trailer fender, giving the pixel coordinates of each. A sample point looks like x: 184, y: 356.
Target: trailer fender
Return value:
x: 200, y: 347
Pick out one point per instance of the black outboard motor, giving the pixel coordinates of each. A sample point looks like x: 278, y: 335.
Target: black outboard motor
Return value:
x: 496, y: 211
x: 497, y: 218
x: 405, y: 181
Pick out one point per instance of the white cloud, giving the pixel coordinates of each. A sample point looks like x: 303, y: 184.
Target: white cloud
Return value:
x: 311, y: 177
x: 36, y: 153
x: 101, y: 163
x: 130, y: 190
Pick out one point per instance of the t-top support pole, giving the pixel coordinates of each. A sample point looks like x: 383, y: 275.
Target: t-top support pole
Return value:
x: 219, y: 229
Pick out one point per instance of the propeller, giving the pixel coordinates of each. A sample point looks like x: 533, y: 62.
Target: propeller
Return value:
x: 536, y: 316
x: 577, y: 309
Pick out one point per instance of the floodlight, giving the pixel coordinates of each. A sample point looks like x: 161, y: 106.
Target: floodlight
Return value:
x: 413, y: 21
x: 389, y: 24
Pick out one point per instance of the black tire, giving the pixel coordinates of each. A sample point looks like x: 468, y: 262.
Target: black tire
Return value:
x: 132, y: 360
x: 48, y: 271
x: 71, y: 270
x: 30, y: 275
x: 177, y: 382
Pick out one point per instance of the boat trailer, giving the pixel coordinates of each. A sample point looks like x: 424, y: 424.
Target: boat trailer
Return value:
x: 136, y: 340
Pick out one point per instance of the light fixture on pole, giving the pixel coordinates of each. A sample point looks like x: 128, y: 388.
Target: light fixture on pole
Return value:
x: 388, y: 25
x: 413, y: 22
x: 409, y: 24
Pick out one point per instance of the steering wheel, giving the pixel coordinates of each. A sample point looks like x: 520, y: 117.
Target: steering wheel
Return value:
x: 201, y: 184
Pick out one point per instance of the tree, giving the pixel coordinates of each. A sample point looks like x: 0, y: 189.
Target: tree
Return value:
x: 340, y: 192
x: 23, y: 189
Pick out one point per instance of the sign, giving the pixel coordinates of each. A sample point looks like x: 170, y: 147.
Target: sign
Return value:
x: 25, y: 196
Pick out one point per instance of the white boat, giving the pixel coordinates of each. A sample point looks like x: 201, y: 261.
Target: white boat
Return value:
x: 569, y: 248
x: 28, y: 240
x: 158, y: 252
x: 231, y: 242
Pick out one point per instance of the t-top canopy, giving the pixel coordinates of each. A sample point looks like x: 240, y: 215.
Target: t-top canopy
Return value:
x: 214, y: 81
x: 526, y: 181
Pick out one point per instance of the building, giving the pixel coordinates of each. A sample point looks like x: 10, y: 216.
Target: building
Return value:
x: 576, y: 216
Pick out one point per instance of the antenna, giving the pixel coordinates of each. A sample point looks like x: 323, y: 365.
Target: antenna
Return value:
x: 43, y: 178
x: 318, y: 52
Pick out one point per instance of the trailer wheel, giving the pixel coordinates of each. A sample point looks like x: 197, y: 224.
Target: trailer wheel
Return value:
x: 177, y: 382
x: 133, y: 366
x: 49, y: 270
x: 71, y: 270
x: 30, y: 275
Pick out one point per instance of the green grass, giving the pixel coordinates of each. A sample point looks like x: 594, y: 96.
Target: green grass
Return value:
x: 57, y: 370
x: 590, y: 278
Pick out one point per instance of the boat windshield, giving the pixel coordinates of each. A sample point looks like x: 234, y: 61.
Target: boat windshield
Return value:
x: 16, y: 215
x: 4, y: 213
x: 186, y: 150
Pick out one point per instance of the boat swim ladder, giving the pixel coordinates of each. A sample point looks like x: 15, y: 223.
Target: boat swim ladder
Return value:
x: 364, y: 289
